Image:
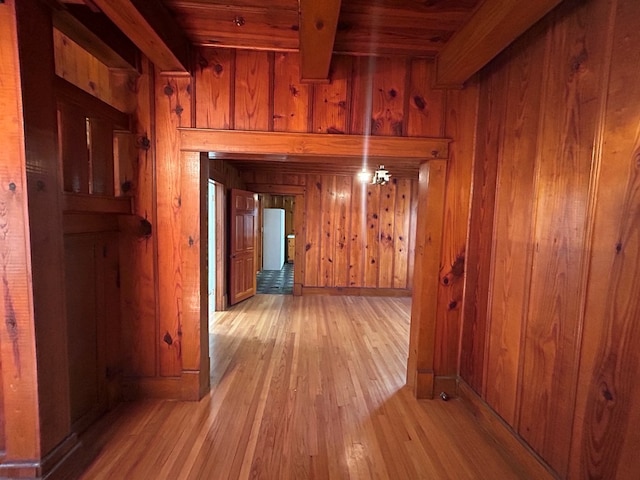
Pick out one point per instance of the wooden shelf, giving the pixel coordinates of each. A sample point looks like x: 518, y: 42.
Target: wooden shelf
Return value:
x: 82, y: 203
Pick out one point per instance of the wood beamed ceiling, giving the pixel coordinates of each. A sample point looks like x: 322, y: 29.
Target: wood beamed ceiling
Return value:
x: 461, y: 35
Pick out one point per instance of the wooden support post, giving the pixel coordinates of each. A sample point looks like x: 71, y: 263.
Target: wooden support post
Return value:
x: 35, y: 385
x: 422, y: 341
x: 195, y: 299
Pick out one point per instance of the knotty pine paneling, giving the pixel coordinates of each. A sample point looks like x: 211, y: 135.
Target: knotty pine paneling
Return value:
x: 361, y: 95
x: 503, y: 342
x: 460, y: 118
x: 606, y: 431
x: 330, y: 111
x: 372, y: 244
x: 563, y: 178
x: 258, y: 90
x: 388, y: 96
x: 341, y: 223
x: 326, y: 215
x: 312, y: 230
x: 339, y: 212
x: 173, y: 110
x: 560, y: 296
x: 290, y: 97
x: 138, y: 245
x: 386, y: 235
x: 478, y: 254
x: 425, y: 115
x: 357, y: 234
x: 252, y: 93
x: 213, y: 77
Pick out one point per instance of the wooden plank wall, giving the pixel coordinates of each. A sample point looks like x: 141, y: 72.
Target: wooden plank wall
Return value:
x: 358, y: 236
x: 555, y: 277
x: 354, y: 235
x: 258, y: 90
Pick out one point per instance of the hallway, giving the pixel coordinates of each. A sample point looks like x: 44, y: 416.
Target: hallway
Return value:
x: 305, y: 387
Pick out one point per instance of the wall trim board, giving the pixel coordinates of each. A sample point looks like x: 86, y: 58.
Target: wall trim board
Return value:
x: 134, y: 388
x: 310, y: 145
x: 491, y: 422
x: 276, y: 189
x: 357, y: 291
x: 54, y: 465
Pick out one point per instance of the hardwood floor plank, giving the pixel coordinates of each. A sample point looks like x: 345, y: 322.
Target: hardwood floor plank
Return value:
x: 304, y: 388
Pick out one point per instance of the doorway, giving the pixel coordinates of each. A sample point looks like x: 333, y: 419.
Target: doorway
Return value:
x: 277, y: 249
x: 216, y: 243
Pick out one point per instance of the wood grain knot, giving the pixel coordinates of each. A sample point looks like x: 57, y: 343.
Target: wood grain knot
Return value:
x: 319, y: 25
x: 203, y: 63
x: 218, y: 69
x: 12, y: 187
x: 179, y: 110
x: 168, y: 90
x: 307, y: 247
x: 126, y: 186
x: 145, y: 228
x: 618, y: 247
x: 167, y: 339
x: 606, y: 394
x: 419, y: 102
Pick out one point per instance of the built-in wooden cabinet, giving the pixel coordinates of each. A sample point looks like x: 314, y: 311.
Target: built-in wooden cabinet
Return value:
x: 93, y: 318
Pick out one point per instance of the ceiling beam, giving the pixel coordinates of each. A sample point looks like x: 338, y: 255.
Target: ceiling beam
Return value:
x: 318, y: 24
x: 97, y: 35
x: 152, y: 28
x: 491, y: 28
x: 308, y: 145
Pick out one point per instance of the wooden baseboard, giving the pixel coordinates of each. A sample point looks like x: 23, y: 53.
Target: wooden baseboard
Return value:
x: 423, y: 385
x: 191, y: 386
x: 357, y: 291
x: 51, y: 466
x: 194, y: 385
x: 490, y: 421
x: 447, y: 385
x: 134, y: 388
x: 427, y: 386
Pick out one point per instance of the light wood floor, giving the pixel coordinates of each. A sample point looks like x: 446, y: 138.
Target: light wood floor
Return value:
x: 305, y: 388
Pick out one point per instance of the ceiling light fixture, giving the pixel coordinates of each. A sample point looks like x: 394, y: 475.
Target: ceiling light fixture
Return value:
x: 381, y: 176
x: 364, y: 176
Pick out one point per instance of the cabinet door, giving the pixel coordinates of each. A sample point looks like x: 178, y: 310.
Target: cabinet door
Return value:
x: 93, y: 313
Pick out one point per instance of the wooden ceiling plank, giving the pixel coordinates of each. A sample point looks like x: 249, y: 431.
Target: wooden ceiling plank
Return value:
x: 309, y: 144
x: 152, y: 28
x: 318, y: 25
x: 491, y: 28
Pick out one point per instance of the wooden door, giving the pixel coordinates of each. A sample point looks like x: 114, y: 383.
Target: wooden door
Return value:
x: 242, y: 246
x: 93, y: 316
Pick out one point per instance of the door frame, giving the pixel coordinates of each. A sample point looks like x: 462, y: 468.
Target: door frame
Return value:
x: 430, y: 154
x: 298, y: 192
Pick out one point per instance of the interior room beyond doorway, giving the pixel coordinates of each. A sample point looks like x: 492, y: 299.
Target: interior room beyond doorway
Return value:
x: 276, y: 250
